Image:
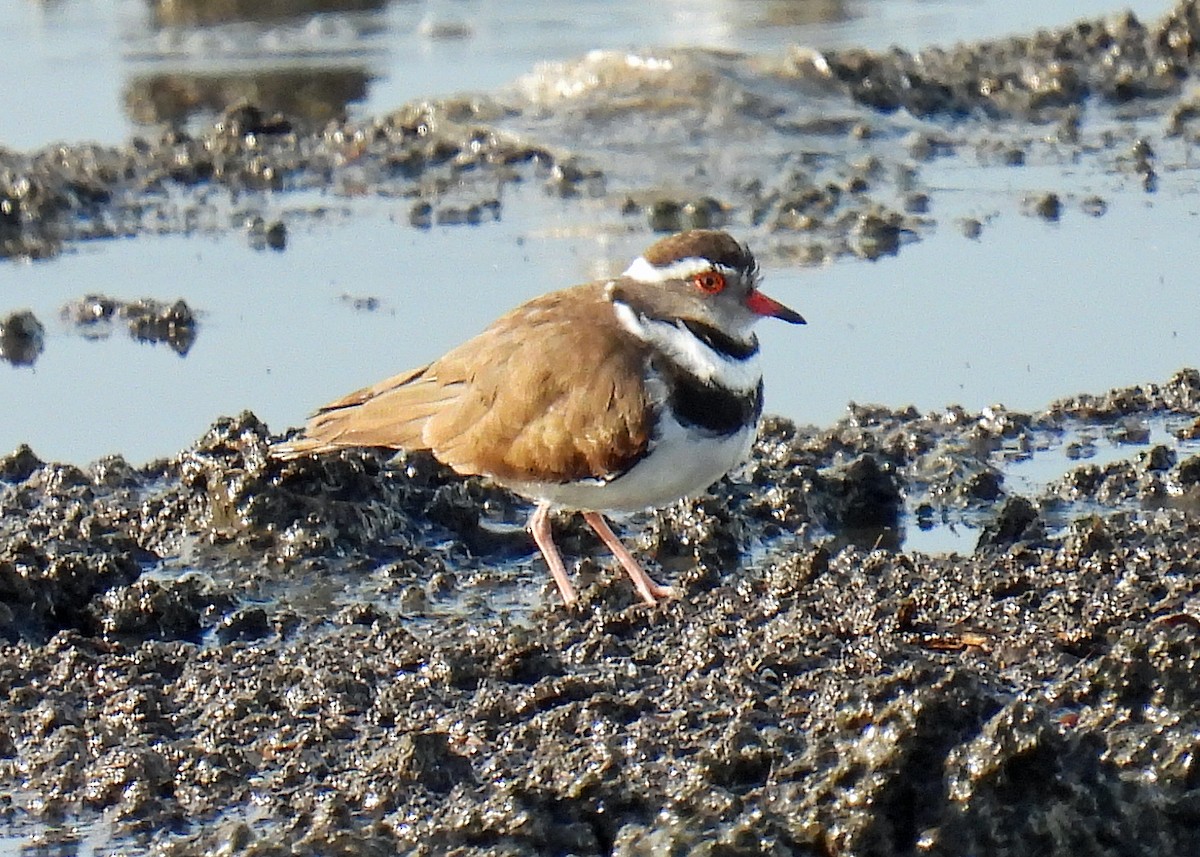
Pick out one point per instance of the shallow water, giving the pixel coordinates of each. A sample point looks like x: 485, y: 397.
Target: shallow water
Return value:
x: 1029, y: 312
x: 1030, y: 473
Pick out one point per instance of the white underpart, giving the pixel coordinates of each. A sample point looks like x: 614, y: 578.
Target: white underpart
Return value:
x: 685, y: 348
x: 681, y: 463
x: 682, y: 269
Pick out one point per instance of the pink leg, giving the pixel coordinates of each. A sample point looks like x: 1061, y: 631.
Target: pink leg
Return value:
x: 650, y: 591
x: 539, y: 526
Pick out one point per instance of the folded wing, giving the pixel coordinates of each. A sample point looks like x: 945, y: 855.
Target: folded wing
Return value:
x: 496, y: 406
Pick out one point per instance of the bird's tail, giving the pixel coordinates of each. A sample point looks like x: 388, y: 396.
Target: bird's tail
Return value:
x: 390, y: 414
x: 300, y: 446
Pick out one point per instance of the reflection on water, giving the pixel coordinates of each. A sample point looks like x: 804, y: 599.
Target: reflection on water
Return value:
x: 201, y: 13
x: 792, y: 13
x: 317, y: 95
x: 1043, y: 476
x: 68, y: 838
x: 146, y: 320
x: 312, y: 59
x: 304, y: 59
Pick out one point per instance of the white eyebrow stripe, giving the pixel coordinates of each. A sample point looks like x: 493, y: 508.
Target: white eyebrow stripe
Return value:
x: 682, y: 269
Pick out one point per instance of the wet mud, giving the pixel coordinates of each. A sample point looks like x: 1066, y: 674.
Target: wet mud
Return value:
x: 223, y: 653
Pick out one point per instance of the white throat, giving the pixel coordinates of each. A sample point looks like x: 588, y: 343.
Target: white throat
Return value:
x: 691, y: 353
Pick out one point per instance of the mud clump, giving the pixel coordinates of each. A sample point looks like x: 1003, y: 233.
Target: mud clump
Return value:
x: 222, y: 629
x: 146, y: 319
x: 71, y: 193
x: 22, y: 338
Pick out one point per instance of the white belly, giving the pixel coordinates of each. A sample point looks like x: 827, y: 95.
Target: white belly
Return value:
x: 682, y: 463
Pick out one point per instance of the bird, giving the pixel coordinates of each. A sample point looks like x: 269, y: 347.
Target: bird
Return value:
x: 607, y: 398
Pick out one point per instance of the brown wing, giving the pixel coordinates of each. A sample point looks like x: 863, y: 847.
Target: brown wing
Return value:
x: 552, y: 391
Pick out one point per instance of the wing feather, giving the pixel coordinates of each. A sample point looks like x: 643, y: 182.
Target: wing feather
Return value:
x: 552, y: 391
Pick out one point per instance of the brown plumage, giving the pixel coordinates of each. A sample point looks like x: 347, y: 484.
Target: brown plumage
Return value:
x: 532, y: 421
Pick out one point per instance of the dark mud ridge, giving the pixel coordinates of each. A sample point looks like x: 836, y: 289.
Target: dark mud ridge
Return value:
x: 220, y: 653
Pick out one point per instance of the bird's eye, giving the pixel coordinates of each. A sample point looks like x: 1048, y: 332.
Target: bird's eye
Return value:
x: 709, y: 282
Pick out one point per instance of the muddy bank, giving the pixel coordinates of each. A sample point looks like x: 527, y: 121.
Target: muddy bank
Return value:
x: 222, y: 653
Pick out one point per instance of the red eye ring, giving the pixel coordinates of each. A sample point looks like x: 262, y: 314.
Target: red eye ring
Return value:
x: 709, y: 282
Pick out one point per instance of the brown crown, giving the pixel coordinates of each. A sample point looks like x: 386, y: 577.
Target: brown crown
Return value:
x: 720, y: 247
